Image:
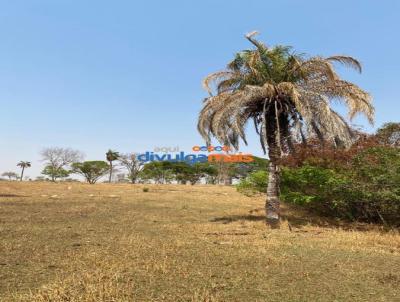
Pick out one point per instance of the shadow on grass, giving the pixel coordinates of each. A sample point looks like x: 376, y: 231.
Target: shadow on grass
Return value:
x: 233, y: 218
x: 11, y: 195
x: 299, y: 218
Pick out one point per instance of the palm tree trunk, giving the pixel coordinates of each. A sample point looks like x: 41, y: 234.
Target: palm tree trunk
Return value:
x: 22, y: 173
x: 111, y: 167
x: 272, y: 203
x: 272, y: 137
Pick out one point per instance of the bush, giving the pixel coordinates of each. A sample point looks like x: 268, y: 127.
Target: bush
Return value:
x: 366, y: 189
x: 145, y: 190
x: 309, y: 184
x: 254, y: 183
x: 321, y: 190
x: 376, y: 175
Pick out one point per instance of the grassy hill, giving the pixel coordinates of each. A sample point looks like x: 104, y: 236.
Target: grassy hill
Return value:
x: 78, y: 242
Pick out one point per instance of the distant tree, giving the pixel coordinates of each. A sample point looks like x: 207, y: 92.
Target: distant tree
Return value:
x: 225, y: 172
x: 132, y: 164
x: 182, y: 171
x: 389, y: 134
x: 200, y: 170
x: 242, y: 170
x: 111, y: 156
x: 91, y: 170
x: 10, y: 175
x: 209, y: 171
x: 158, y: 171
x: 59, y: 159
x: 193, y: 173
x: 55, y: 173
x: 23, y: 165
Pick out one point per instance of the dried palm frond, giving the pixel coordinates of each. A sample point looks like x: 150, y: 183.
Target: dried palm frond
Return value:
x: 346, y: 60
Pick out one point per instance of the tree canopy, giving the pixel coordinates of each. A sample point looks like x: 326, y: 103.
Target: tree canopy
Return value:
x: 91, y: 170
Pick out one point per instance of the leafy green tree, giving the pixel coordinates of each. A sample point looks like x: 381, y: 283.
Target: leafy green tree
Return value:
x: 181, y: 171
x: 55, y: 173
x: 158, y: 171
x: 193, y: 173
x: 288, y: 97
x: 111, y: 156
x: 92, y: 171
x: 23, y: 165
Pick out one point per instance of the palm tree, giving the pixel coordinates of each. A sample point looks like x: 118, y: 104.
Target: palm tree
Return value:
x: 288, y: 96
x: 23, y: 165
x: 111, y: 156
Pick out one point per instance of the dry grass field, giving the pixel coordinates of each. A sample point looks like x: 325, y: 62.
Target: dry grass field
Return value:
x: 78, y: 242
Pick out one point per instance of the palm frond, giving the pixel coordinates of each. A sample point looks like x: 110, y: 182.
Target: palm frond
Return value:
x: 347, y: 61
x: 287, y: 96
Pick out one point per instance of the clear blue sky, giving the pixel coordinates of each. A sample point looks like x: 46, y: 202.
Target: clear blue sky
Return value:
x: 126, y: 75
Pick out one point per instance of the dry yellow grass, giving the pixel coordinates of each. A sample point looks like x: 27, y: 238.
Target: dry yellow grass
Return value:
x: 77, y: 242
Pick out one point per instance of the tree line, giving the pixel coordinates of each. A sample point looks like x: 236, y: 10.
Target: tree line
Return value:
x: 61, y: 163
